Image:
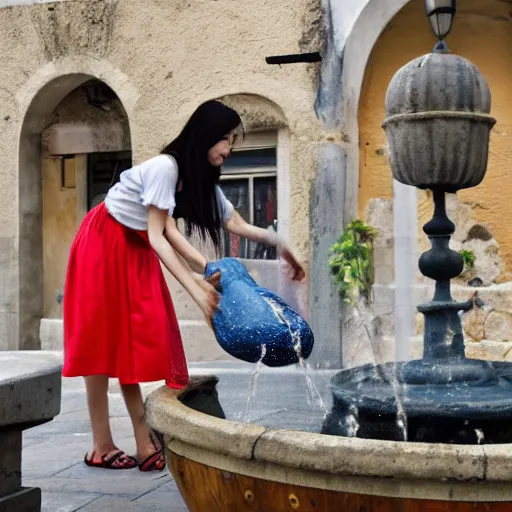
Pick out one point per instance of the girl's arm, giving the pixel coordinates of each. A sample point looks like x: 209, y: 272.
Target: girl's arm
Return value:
x: 237, y: 225
x: 203, y: 293
x: 195, y: 260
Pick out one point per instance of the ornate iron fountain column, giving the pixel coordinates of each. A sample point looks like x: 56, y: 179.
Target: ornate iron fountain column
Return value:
x: 443, y: 330
x: 438, y: 127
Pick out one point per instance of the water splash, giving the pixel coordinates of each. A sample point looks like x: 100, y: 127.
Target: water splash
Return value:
x: 401, y: 417
x: 253, y: 385
x: 370, y: 325
x: 313, y: 395
x: 352, y: 421
x: 405, y: 240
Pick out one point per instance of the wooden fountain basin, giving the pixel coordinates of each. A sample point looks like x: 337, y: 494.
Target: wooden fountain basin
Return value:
x: 228, y: 466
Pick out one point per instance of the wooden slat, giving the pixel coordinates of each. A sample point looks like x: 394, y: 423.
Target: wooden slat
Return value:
x: 207, y: 489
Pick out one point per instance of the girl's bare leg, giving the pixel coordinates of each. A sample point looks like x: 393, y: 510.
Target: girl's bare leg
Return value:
x: 135, y: 405
x: 97, y: 401
x: 104, y: 452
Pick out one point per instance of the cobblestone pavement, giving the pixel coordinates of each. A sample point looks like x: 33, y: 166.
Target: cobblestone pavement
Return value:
x: 53, y: 453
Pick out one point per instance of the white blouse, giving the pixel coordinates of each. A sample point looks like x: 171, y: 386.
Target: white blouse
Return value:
x: 152, y: 183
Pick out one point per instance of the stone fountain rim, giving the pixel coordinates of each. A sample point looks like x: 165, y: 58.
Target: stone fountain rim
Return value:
x: 331, y: 455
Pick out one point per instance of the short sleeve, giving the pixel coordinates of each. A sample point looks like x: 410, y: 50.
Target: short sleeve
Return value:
x: 159, y: 178
x: 226, y: 208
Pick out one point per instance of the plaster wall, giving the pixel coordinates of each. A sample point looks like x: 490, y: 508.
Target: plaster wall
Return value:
x: 176, y: 56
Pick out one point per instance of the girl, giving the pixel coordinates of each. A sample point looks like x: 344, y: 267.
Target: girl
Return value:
x: 119, y: 319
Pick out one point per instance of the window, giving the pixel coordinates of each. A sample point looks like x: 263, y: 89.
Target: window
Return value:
x: 103, y: 171
x: 249, y: 181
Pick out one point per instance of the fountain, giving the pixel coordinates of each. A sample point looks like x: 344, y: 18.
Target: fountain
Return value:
x: 438, y: 127
x: 414, y: 435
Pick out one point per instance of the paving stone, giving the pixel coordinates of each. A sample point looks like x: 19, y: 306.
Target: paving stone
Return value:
x: 80, y: 470
x: 112, y: 504
x: 77, y: 422
x: 165, y: 498
x: 66, y: 501
x: 55, y: 455
x: 131, y: 483
x: 58, y: 454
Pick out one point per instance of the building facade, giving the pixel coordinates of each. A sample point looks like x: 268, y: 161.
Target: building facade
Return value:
x: 91, y: 86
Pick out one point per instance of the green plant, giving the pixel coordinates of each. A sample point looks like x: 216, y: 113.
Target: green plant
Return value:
x: 468, y: 257
x: 351, y: 262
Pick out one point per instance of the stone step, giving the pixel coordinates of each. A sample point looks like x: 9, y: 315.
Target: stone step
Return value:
x: 198, y: 339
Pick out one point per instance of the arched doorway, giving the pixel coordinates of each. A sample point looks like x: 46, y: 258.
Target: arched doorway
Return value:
x: 482, y: 34
x: 74, y: 142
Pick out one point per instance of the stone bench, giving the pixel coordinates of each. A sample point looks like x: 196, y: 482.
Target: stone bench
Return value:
x: 30, y: 394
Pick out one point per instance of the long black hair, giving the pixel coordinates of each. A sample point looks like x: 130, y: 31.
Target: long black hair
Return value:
x: 196, y: 203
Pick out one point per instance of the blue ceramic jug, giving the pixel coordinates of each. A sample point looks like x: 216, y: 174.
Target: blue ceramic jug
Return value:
x: 254, y: 324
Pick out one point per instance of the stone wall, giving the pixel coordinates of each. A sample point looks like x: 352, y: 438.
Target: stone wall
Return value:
x: 369, y: 334
x: 177, y: 55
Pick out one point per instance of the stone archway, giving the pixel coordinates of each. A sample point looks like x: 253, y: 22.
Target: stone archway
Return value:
x: 368, y: 26
x: 30, y: 200
x: 480, y: 33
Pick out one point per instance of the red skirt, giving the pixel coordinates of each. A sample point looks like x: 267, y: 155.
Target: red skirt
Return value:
x: 119, y: 319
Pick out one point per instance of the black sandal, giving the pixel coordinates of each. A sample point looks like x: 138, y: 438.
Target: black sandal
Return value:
x: 156, y: 461
x: 115, y: 460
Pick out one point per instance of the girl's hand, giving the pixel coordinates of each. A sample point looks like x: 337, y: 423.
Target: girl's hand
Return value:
x: 214, y: 280
x: 208, y: 300
x: 237, y: 225
x: 297, y: 271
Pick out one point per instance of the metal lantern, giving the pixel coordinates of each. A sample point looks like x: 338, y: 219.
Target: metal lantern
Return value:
x: 441, y: 14
x: 438, y: 123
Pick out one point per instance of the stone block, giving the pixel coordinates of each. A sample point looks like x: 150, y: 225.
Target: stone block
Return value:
x: 473, y: 323
x: 51, y: 334
x: 200, y: 343
x: 10, y: 461
x: 184, y: 305
x: 419, y: 323
x: 489, y: 350
x: 498, y: 326
x: 9, y: 331
x: 383, y: 265
x: 30, y: 387
x: 383, y: 299
x: 354, y: 456
x: 462, y: 215
x: 488, y: 265
x: 379, y: 215
x: 30, y: 391
x: 198, y: 339
x: 24, y: 500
